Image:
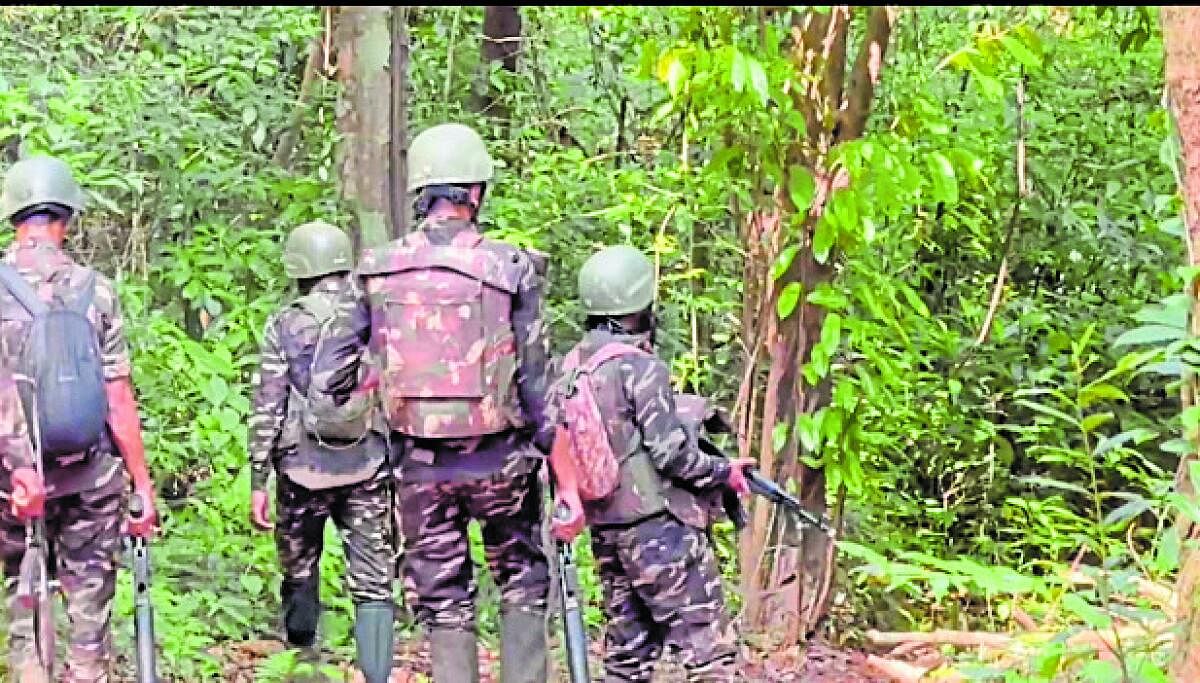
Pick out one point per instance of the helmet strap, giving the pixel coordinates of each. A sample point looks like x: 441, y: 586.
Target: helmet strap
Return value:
x: 455, y: 194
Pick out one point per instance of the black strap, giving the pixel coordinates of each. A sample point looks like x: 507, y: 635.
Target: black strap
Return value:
x: 22, y: 291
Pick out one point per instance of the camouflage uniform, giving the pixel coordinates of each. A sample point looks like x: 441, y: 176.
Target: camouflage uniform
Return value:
x: 662, y: 585
x: 86, y: 492
x: 448, y: 482
x: 350, y: 486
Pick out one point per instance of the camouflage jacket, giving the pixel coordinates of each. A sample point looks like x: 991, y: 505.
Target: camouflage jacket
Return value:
x: 285, y: 361
x: 661, y: 467
x: 52, y: 273
x: 16, y: 450
x: 506, y: 452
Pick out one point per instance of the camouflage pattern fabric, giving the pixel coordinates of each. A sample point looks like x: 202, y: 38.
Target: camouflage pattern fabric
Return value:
x: 16, y: 450
x: 658, y: 462
x: 54, y: 274
x: 285, y: 361
x: 502, y: 388
x: 85, y: 532
x: 439, y: 577
x: 662, y: 594
x: 360, y: 513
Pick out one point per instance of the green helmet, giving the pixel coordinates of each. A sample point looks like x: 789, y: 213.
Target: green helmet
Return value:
x: 616, y: 280
x: 448, y: 154
x: 316, y: 249
x: 39, y: 180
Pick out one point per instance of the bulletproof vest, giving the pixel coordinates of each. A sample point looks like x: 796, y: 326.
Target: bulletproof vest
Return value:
x: 442, y: 332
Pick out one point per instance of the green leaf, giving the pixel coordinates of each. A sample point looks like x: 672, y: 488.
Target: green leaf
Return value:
x: 252, y: 583
x: 738, y: 71
x: 1127, y: 511
x: 783, y: 261
x: 779, y: 436
x: 1094, y: 421
x: 1081, y: 608
x: 1023, y: 54
x: 676, y: 74
x: 801, y: 188
x: 1190, y: 417
x: 823, y: 238
x: 758, y: 80
x: 831, y: 331
x: 1046, y: 482
x: 1166, y: 556
x: 1150, y: 334
x: 1094, y: 393
x: 1047, y: 410
x: 827, y: 297
x: 788, y: 299
x: 945, y: 182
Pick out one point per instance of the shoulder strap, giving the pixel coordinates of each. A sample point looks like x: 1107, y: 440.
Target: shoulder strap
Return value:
x: 317, y: 306
x: 21, y: 290
x: 608, y: 352
x: 467, y: 238
x: 83, y: 302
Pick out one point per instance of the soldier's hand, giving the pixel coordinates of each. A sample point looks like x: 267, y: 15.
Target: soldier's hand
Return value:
x: 143, y: 518
x: 568, y: 518
x: 28, y: 494
x: 737, y: 475
x: 260, y: 510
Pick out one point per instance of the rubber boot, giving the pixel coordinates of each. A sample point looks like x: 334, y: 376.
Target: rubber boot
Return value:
x: 373, y: 639
x: 455, y: 656
x: 522, y: 645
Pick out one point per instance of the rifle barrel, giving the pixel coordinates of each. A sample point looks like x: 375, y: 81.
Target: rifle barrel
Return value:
x: 574, y: 633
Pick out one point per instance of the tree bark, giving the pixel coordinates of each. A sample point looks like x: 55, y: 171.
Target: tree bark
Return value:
x: 836, y: 106
x: 400, y: 206
x: 362, y: 38
x: 1181, y: 25
x: 501, y: 43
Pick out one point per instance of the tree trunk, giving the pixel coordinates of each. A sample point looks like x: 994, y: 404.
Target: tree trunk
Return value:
x: 774, y: 391
x: 362, y: 36
x: 501, y: 43
x: 1180, y: 27
x: 401, y: 208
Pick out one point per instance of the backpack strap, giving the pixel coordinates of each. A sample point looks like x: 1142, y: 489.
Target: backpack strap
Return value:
x: 22, y: 291
x: 317, y: 306
x: 83, y: 302
x: 467, y: 239
x: 608, y: 352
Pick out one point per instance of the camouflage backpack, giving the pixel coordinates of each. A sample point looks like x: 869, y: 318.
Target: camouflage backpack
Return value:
x: 597, y: 466
x: 320, y: 417
x: 444, y: 336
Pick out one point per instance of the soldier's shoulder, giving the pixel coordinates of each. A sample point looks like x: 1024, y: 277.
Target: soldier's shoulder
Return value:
x: 522, y: 258
x: 105, y: 292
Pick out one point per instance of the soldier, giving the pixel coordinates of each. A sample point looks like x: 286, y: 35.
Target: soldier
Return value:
x: 455, y: 320
x: 85, y: 490
x: 330, y: 460
x: 662, y: 585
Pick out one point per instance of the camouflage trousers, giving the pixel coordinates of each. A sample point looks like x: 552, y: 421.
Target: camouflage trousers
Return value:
x: 360, y: 513
x: 439, y: 577
x: 662, y: 590
x: 84, y: 530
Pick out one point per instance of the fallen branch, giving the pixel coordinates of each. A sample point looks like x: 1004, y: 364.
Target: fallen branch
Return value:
x: 1161, y: 595
x: 941, y: 637
x: 896, y: 670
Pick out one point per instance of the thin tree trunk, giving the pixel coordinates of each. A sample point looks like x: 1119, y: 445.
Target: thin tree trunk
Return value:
x: 362, y: 37
x: 1181, y: 25
x: 501, y: 43
x: 400, y: 205
x: 836, y: 105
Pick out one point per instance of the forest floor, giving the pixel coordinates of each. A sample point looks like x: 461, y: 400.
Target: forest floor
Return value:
x: 814, y: 663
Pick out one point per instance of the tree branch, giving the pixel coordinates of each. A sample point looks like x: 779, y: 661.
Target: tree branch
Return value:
x: 868, y: 66
x: 287, y: 141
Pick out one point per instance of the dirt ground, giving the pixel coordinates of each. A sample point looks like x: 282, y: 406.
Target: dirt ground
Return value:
x: 816, y: 662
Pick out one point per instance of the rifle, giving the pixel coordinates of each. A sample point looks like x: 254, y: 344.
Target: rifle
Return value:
x: 35, y: 586
x: 774, y: 492
x: 35, y: 592
x: 575, y: 636
x: 143, y: 609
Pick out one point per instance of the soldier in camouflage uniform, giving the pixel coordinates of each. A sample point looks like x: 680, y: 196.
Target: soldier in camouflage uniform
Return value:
x: 662, y: 585
x: 455, y: 320
x: 86, y: 491
x: 344, y: 478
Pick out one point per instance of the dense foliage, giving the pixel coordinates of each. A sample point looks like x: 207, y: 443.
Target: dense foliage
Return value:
x: 981, y: 466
